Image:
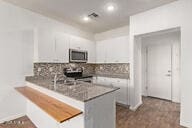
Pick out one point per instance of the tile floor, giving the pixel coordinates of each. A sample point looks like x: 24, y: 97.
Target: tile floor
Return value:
x: 154, y: 113
x: 22, y: 122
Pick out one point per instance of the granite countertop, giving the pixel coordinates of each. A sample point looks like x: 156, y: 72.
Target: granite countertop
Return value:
x: 82, y: 91
x: 120, y: 76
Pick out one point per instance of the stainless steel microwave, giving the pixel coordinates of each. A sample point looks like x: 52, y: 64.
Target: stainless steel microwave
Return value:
x: 78, y: 56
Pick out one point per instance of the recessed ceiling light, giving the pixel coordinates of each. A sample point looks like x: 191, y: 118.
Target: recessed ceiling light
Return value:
x: 110, y: 8
x: 86, y: 18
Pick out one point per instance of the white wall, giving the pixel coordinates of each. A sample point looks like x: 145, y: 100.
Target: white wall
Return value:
x: 16, y: 49
x: 135, y: 100
x: 172, y: 38
x: 16, y: 54
x: 176, y: 14
x: 114, y: 33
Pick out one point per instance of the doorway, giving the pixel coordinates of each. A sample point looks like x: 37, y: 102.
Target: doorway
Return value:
x: 160, y: 65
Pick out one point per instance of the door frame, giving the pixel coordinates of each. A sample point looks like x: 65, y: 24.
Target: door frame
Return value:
x: 147, y: 77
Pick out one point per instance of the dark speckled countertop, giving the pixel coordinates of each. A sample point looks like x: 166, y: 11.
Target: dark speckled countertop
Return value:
x: 82, y: 91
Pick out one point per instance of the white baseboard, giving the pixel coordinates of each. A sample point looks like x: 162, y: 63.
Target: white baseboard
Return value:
x: 12, y: 117
x: 134, y: 108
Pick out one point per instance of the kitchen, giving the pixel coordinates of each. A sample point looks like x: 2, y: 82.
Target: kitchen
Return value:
x: 67, y: 63
x: 76, y: 69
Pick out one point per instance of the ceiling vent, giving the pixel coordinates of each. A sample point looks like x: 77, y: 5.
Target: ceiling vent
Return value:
x: 93, y: 15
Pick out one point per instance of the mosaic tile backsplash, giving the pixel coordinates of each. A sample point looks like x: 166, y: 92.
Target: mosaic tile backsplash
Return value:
x: 47, y: 69
x: 112, y: 69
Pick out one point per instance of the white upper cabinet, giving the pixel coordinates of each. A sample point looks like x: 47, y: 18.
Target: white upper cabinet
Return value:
x: 101, y: 52
x: 53, y: 47
x: 62, y: 48
x: 119, y: 51
x: 113, y: 50
x: 77, y: 43
x: 90, y: 47
x: 46, y: 46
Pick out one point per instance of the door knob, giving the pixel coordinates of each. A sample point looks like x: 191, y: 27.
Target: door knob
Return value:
x: 169, y: 71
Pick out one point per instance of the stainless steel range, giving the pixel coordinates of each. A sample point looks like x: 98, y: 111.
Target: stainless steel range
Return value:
x: 77, y: 74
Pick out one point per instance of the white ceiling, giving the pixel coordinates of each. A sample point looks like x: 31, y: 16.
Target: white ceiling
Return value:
x: 72, y: 11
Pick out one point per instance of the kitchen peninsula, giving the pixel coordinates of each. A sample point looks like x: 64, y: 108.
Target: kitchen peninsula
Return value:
x: 94, y: 102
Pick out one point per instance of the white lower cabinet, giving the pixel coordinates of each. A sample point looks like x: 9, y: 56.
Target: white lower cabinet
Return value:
x: 122, y: 84
x: 122, y: 93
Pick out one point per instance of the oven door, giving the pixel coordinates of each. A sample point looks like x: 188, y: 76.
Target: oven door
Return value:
x: 78, y: 56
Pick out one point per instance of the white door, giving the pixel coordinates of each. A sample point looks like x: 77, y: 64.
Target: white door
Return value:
x: 159, y: 71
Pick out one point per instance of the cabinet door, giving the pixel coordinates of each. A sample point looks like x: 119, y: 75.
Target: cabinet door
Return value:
x: 77, y: 43
x: 111, y: 51
x: 46, y: 46
x: 117, y: 51
x: 103, y: 81
x: 62, y: 48
x: 90, y: 47
x: 94, y: 80
x: 122, y: 53
x: 101, y: 51
x: 100, y: 80
x: 122, y: 93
